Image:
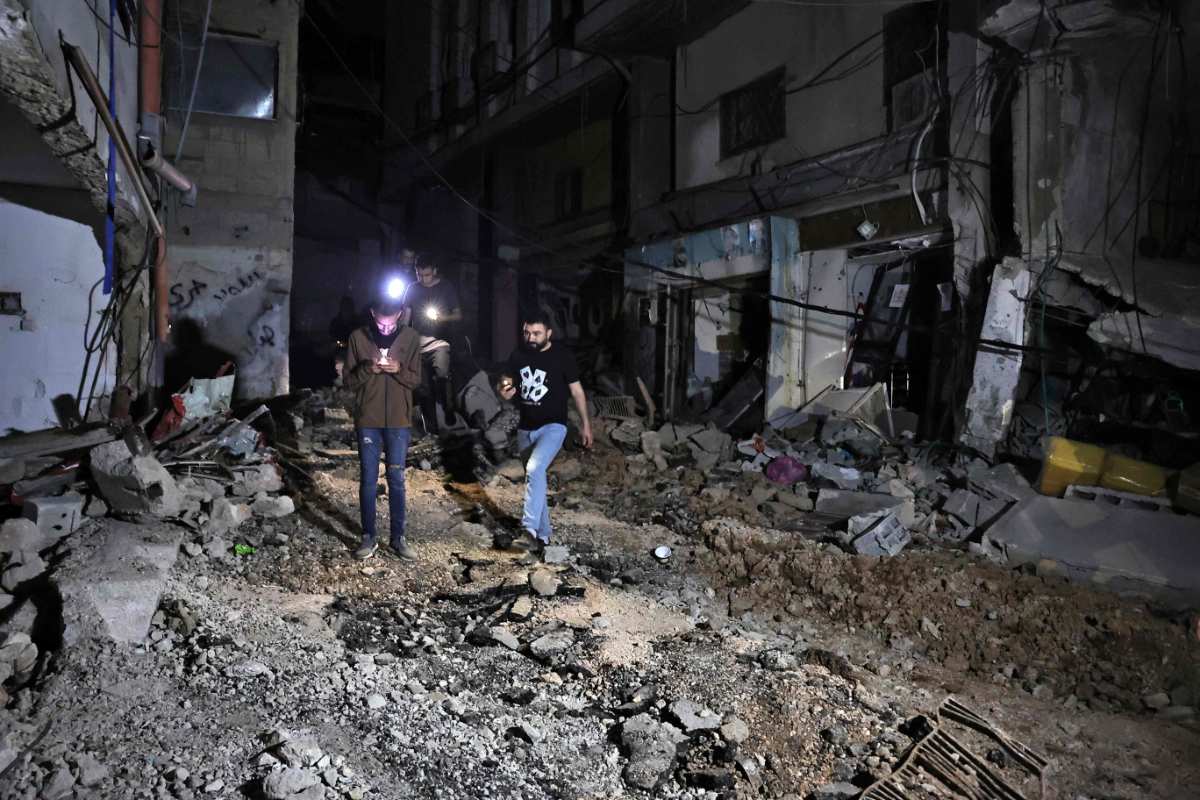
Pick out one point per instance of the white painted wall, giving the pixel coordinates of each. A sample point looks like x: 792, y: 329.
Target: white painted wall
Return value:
x: 53, y: 262
x: 805, y: 39
x: 825, y: 334
x: 714, y: 317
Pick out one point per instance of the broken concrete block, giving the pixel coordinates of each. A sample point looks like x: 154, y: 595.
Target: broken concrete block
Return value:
x: 112, y: 580
x: 226, y: 516
x: 95, y: 508
x: 22, y: 534
x: 882, y: 535
x: 666, y: 435
x: 989, y: 406
x: 963, y: 504
x: 705, y: 459
x: 712, y: 440
x: 544, y: 583
x: 272, y: 507
x: 897, y: 488
x: 854, y: 504
x: 1124, y: 549
x: 843, y: 477
x: 23, y: 565
x: 800, y: 502
x: 55, y: 516
x: 552, y: 644
x: 652, y: 748
x: 555, y: 554
x: 261, y: 478
x: 134, y: 484
x: 628, y: 432
x: 694, y: 717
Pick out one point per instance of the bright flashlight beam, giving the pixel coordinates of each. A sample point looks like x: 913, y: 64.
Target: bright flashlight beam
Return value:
x: 395, y: 287
x: 431, y: 312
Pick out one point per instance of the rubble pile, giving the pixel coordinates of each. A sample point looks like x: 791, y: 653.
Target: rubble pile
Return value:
x: 106, y: 505
x: 1008, y: 627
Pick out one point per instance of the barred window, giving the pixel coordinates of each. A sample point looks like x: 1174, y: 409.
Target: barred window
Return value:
x: 753, y: 115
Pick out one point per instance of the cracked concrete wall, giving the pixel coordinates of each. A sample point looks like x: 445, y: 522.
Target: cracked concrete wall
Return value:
x: 230, y: 257
x: 53, y: 194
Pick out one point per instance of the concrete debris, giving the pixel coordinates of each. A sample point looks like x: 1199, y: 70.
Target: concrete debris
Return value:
x: 111, y: 581
x: 692, y: 716
x: 226, y: 516
x: 272, y: 507
x: 879, y: 534
x: 134, y: 484
x: 255, y: 479
x: 990, y: 403
x: 652, y: 747
x: 1091, y: 543
x: 55, y: 516
x: 842, y: 477
x: 854, y: 504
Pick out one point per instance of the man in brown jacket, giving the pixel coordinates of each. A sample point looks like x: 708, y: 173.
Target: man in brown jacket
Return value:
x: 383, y: 366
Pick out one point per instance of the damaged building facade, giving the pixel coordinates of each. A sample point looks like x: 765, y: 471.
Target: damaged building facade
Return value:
x: 195, y: 270
x: 64, y: 348
x: 945, y: 189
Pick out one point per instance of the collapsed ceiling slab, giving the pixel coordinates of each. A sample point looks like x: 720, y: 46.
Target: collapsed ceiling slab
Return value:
x: 1166, y: 299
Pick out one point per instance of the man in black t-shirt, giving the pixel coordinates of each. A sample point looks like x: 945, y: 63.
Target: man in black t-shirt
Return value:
x: 431, y: 304
x: 544, y: 374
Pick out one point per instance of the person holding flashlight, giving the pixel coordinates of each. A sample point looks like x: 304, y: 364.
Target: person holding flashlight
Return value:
x: 383, y: 366
x: 547, y: 375
x: 431, y: 305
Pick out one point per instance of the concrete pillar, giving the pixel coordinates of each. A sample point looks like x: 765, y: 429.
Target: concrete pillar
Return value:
x: 785, y: 364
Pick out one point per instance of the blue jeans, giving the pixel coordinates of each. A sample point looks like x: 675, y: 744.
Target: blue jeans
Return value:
x: 394, y: 443
x: 538, y: 448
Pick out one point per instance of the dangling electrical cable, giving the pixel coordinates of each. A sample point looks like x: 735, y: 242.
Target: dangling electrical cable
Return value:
x: 110, y: 222
x: 187, y: 117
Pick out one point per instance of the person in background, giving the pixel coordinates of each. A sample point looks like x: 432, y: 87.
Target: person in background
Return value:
x: 431, y: 305
x: 382, y: 368
x: 547, y: 374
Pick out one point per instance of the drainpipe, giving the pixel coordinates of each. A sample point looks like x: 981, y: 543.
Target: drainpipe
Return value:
x: 150, y: 122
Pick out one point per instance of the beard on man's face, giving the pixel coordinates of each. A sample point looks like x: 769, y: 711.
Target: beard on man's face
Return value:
x: 536, y: 347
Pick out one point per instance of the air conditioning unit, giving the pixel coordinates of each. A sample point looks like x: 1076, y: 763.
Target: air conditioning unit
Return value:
x: 491, y: 64
x: 912, y: 100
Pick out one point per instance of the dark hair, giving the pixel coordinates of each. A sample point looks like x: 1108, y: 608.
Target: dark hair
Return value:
x: 537, y: 316
x: 424, y: 261
x: 385, y: 305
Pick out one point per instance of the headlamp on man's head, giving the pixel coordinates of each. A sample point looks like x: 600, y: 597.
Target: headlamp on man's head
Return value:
x: 394, y: 288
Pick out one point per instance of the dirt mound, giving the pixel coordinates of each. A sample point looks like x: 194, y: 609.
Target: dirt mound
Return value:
x: 1007, y: 626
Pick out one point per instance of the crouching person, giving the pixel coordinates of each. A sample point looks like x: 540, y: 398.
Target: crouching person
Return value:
x: 547, y: 375
x: 383, y: 367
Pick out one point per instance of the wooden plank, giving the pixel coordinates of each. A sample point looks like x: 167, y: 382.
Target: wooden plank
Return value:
x: 58, y: 440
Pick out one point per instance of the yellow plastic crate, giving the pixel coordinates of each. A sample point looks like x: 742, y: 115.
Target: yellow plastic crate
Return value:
x: 1068, y: 463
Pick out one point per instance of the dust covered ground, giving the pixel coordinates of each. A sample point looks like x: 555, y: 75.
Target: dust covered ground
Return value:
x: 788, y: 665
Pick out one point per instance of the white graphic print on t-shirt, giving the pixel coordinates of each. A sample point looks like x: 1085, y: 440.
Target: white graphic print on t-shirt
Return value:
x: 533, y: 385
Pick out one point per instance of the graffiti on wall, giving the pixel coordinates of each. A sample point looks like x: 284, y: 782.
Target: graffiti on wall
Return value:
x: 182, y: 298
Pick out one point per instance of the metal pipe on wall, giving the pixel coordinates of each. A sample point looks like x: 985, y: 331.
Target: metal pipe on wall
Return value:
x: 149, y: 105
x: 78, y: 61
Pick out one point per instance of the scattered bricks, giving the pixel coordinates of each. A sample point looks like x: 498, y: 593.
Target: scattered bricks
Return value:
x: 55, y: 516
